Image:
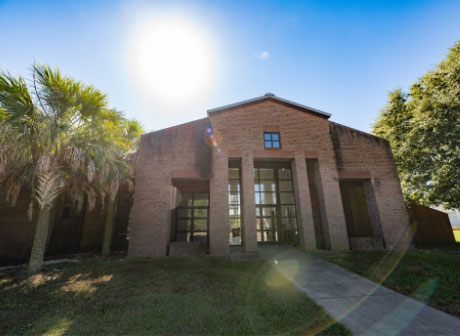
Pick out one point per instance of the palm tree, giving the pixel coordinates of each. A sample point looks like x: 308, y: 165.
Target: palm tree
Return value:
x: 59, y: 138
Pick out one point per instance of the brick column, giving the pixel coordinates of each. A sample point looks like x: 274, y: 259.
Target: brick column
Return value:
x: 334, y: 207
x: 219, y: 226
x: 305, y: 222
x: 248, y: 203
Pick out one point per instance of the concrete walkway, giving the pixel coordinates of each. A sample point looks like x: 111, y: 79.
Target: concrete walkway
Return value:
x: 363, y: 306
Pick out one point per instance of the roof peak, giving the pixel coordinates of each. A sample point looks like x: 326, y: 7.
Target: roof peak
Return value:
x: 270, y: 96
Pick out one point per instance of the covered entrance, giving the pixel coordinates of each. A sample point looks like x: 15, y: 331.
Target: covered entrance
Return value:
x: 190, y: 218
x: 275, y: 203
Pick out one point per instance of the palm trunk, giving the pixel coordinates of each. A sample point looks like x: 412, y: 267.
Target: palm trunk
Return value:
x: 39, y: 245
x: 108, y: 227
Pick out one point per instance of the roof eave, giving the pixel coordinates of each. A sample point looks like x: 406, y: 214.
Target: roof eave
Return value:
x: 274, y: 98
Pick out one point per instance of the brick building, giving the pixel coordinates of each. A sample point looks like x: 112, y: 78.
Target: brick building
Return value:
x: 265, y: 170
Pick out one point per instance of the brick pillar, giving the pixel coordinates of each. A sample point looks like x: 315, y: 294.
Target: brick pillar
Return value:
x: 334, y: 207
x: 219, y: 226
x: 150, y: 220
x: 305, y: 222
x: 248, y: 203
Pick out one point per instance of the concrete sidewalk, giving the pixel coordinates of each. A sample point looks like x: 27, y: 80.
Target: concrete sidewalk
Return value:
x: 363, y: 306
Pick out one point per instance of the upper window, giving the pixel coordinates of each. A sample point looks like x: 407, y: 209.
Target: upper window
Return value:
x: 272, y: 140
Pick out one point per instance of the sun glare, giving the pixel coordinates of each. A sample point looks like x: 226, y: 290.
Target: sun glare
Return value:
x: 173, y: 61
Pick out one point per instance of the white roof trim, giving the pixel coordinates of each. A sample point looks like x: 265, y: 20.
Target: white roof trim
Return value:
x: 268, y: 96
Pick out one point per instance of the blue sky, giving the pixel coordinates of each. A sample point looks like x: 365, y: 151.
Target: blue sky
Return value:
x: 341, y: 57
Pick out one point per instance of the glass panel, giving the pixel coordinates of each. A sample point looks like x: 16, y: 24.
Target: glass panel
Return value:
x: 257, y: 212
x: 275, y: 136
x: 276, y: 144
x: 200, y: 236
x: 287, y: 198
x: 233, y: 198
x: 268, y: 198
x: 259, y: 236
x: 200, y: 213
x: 265, y: 186
x: 258, y: 221
x: 257, y: 198
x: 201, y: 199
x: 181, y: 213
x: 268, y: 144
x: 234, y: 185
x: 266, y: 174
x: 270, y: 236
x: 182, y: 236
x: 234, y: 210
x: 267, y: 224
x: 267, y: 136
x: 235, y: 237
x: 284, y: 174
x: 184, y: 224
x: 200, y: 224
x: 186, y: 199
x: 289, y: 223
x: 268, y: 212
x: 285, y: 185
x: 288, y: 211
x: 234, y: 202
x: 235, y: 223
x: 234, y: 173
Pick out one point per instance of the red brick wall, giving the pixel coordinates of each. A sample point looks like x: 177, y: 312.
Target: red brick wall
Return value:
x: 182, y: 152
x: 363, y: 156
x: 241, y: 130
x: 176, y: 152
x: 180, y: 249
x: 16, y: 231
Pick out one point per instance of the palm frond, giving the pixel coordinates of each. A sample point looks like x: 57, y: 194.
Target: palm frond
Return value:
x: 48, y: 188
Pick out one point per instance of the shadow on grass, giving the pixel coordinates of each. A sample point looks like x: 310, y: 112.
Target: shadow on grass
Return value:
x: 164, y: 296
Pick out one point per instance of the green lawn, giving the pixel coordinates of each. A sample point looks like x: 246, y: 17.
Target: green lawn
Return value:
x: 174, y: 296
x: 429, y: 276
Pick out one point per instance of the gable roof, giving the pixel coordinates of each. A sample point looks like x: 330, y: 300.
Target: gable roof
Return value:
x: 270, y: 97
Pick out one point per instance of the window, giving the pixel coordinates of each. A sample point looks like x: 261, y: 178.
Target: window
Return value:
x: 276, y: 219
x: 192, y: 218
x: 234, y: 205
x: 272, y: 140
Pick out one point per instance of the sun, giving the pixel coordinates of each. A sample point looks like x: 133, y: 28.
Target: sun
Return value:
x: 172, y: 60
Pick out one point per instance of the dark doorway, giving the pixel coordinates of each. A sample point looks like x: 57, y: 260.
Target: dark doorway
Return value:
x: 356, y: 209
x: 120, y: 230
x: 67, y: 232
x: 120, y: 239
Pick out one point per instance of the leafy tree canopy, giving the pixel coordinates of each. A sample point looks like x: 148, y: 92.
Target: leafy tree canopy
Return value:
x: 58, y: 137
x: 423, y: 127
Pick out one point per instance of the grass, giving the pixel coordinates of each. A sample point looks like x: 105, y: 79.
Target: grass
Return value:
x: 429, y: 276
x: 172, y: 296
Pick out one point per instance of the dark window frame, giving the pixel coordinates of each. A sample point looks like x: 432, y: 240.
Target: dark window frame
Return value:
x: 278, y: 217
x: 192, y: 218
x: 272, y: 140
x: 236, y: 206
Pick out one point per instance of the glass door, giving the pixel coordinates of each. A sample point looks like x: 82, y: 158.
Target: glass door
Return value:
x: 275, y: 205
